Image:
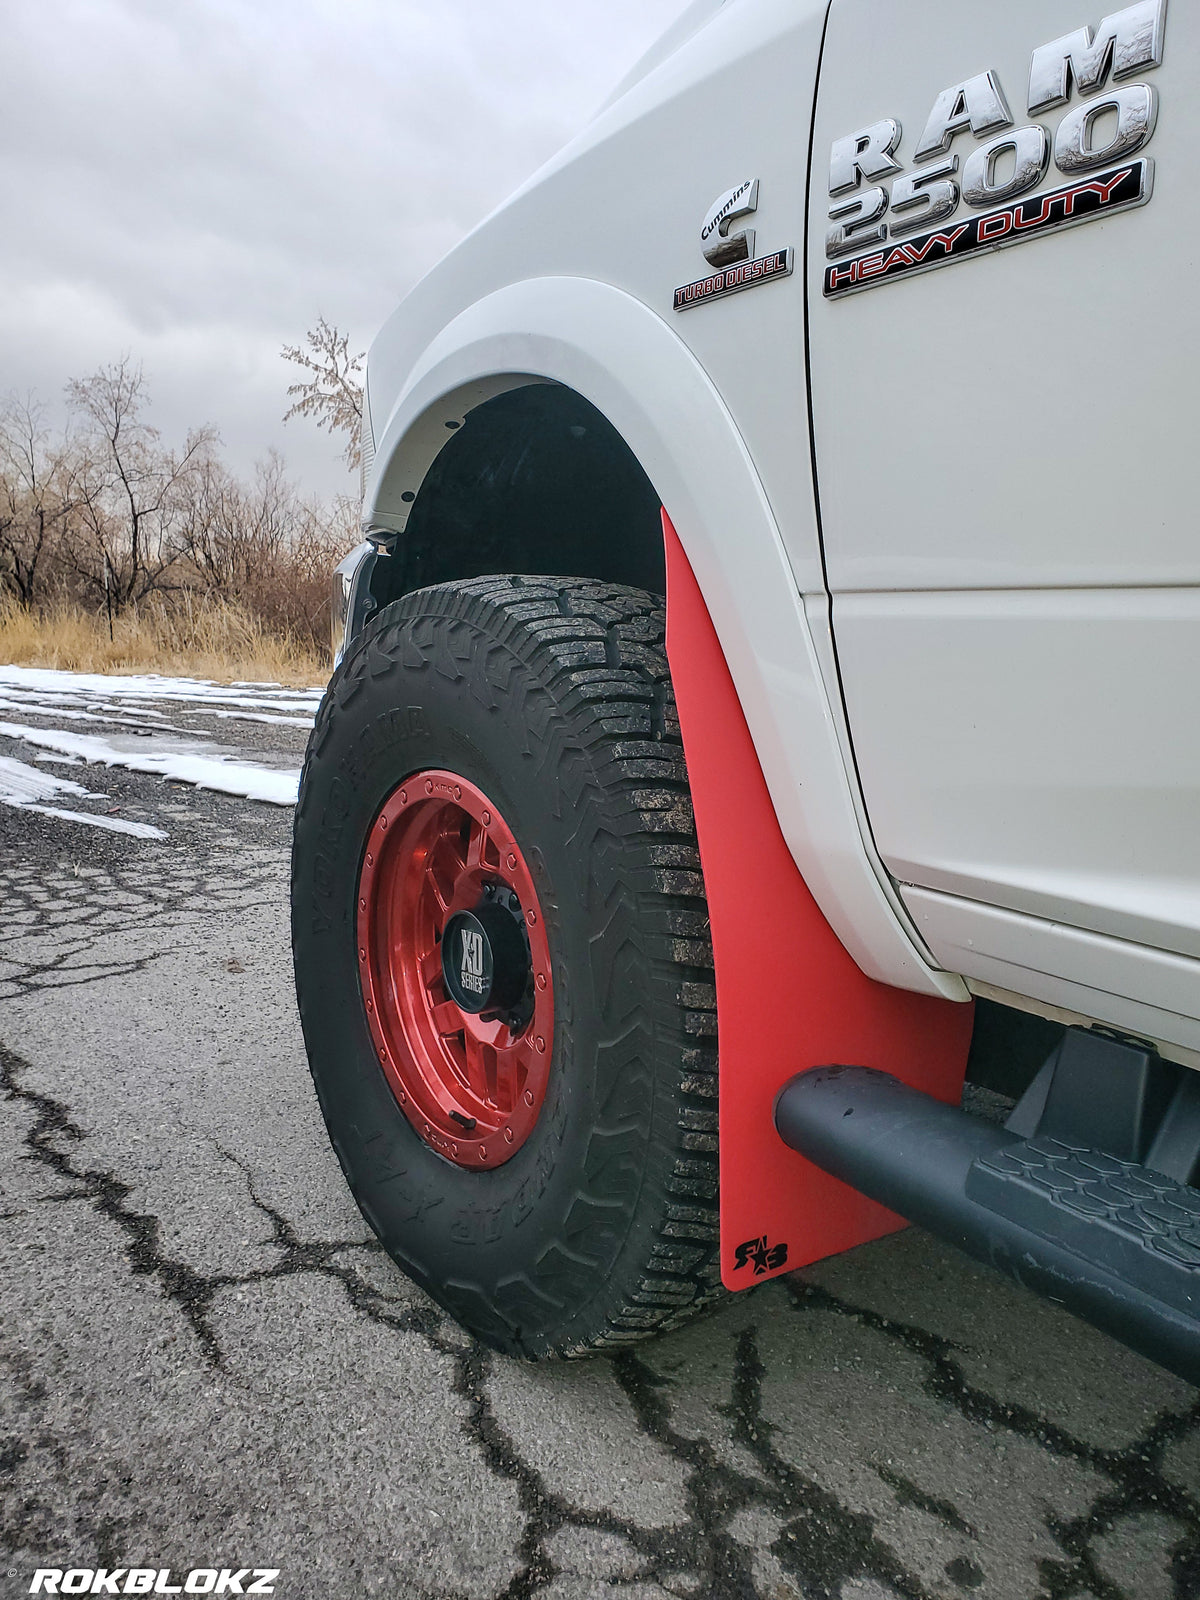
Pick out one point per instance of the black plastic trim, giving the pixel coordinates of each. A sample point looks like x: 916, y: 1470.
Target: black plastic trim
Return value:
x: 1112, y: 1241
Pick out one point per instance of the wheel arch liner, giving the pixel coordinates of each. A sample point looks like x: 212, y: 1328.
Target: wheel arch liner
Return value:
x: 789, y: 996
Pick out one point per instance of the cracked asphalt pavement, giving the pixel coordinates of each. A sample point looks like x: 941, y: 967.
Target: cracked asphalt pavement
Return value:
x: 207, y: 1361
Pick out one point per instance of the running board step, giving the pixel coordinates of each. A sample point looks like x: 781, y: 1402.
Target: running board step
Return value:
x: 1113, y: 1241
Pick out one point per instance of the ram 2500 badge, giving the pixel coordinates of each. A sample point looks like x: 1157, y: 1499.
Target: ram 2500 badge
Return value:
x: 763, y: 732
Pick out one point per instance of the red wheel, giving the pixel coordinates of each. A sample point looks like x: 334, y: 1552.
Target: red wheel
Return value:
x: 455, y: 969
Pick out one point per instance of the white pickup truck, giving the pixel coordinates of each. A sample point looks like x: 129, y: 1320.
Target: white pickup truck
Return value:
x: 766, y: 694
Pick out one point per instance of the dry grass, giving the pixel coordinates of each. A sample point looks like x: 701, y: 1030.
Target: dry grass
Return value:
x: 191, y: 636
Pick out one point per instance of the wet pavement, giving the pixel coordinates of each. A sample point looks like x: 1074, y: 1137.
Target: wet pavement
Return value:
x: 207, y: 1362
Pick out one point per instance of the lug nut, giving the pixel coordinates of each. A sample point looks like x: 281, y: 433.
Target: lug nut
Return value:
x: 529, y: 1097
x: 541, y: 1044
x: 541, y: 980
x: 508, y: 1134
x: 483, y: 1152
x: 531, y: 917
x: 512, y: 861
x: 370, y: 859
x: 404, y: 797
x: 487, y: 819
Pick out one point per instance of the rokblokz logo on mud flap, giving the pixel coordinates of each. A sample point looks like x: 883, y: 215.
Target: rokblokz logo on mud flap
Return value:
x: 153, y: 1580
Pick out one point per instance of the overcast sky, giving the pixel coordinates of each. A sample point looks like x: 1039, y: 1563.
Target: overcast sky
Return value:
x: 194, y: 182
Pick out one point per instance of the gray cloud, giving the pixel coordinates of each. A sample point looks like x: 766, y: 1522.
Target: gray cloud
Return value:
x: 195, y: 183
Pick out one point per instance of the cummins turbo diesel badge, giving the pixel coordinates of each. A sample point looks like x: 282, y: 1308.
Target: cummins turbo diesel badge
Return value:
x: 1091, y: 148
x: 733, y: 252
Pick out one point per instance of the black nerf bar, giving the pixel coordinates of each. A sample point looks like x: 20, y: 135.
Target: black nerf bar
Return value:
x: 1111, y: 1241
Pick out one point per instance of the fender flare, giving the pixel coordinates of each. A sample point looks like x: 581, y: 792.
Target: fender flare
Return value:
x: 623, y: 358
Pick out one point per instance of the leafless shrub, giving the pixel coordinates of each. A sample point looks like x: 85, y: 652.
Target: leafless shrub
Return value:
x: 132, y: 493
x: 37, y: 496
x: 332, y: 393
x: 104, y: 518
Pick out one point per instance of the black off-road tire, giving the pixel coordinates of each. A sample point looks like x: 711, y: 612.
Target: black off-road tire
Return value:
x: 554, y: 697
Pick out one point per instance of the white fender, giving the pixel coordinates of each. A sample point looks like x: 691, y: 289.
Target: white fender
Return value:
x: 633, y: 368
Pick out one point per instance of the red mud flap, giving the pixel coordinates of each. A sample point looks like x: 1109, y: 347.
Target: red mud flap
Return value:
x: 770, y: 941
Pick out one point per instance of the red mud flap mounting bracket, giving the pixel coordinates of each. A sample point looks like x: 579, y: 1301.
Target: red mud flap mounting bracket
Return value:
x: 778, y: 1210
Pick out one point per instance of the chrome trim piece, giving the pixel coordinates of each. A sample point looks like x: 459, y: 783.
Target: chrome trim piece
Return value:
x: 722, y: 248
x: 1132, y: 40
x: 351, y: 602
x: 932, y: 188
x: 869, y: 153
x: 978, y: 104
x: 1118, y: 189
x: 1137, y: 112
x: 1031, y: 149
x: 743, y: 276
x: 856, y: 222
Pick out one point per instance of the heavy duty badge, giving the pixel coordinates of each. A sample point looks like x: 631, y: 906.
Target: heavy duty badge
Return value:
x: 1078, y: 202
x: 1102, y: 132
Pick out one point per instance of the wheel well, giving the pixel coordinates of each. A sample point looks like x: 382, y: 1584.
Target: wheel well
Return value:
x: 535, y: 481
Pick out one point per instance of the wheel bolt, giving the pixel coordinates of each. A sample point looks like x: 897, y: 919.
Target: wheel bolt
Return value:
x: 404, y: 797
x: 487, y: 819
x: 508, y: 1134
x: 454, y: 1151
x: 541, y: 1044
x: 383, y: 822
x: 483, y: 1152
x: 428, y: 785
x: 362, y: 905
x: 541, y: 980
x: 362, y: 955
x: 512, y: 861
x: 529, y: 1097
x: 370, y: 859
x: 458, y: 791
x: 403, y: 1097
x: 370, y: 1005
x: 427, y: 1128
x: 531, y: 917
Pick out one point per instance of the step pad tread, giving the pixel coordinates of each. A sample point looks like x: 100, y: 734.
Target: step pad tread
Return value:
x: 1141, y: 1225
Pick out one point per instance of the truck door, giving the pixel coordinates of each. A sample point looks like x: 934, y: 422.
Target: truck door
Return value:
x: 1003, y: 321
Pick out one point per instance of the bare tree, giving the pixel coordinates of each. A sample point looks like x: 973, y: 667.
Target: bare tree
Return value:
x: 36, y: 496
x: 235, y: 533
x: 133, y: 494
x: 332, y: 393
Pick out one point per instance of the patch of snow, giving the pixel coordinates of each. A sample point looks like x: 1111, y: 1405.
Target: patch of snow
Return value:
x: 26, y: 789
x: 264, y: 716
x: 122, y: 719
x: 197, y: 762
x: 51, y: 760
x: 139, y: 830
x: 21, y: 784
x: 48, y: 682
